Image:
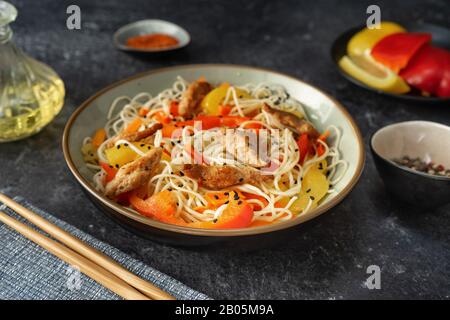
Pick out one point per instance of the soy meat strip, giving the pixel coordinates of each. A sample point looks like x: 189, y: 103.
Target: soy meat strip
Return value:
x: 135, y: 136
x: 194, y: 94
x: 293, y: 122
x: 134, y: 174
x: 219, y: 177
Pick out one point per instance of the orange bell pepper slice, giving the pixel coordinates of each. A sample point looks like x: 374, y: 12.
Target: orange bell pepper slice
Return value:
x: 134, y: 125
x: 99, y: 137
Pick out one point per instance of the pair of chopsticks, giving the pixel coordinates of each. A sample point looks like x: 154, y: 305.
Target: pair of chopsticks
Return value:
x: 90, y: 261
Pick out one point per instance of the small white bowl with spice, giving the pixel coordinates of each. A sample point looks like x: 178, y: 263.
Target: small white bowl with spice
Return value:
x: 413, y: 159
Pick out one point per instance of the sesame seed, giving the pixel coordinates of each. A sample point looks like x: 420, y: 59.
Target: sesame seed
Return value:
x: 215, y: 220
x: 118, y: 147
x: 142, y: 145
x: 117, y: 166
x: 182, y: 173
x: 239, y: 202
x: 308, y: 191
x: 126, y: 144
x: 226, y: 193
x: 226, y: 202
x: 216, y: 197
x: 241, y: 179
x: 312, y: 198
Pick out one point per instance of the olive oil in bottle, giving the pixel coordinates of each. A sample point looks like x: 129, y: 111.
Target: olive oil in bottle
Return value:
x: 31, y: 93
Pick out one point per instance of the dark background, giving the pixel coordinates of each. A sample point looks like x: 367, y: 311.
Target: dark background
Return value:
x: 327, y: 260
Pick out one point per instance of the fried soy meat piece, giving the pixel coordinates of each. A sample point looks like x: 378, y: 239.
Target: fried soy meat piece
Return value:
x: 134, y: 174
x: 134, y: 136
x: 293, y: 122
x: 219, y: 177
x: 194, y: 94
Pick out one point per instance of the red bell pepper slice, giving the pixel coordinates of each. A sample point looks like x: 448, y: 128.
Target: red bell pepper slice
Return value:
x: 429, y: 71
x: 110, y: 171
x: 396, y: 50
x: 303, y: 146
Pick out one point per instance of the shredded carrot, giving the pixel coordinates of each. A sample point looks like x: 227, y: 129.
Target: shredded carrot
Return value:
x: 224, y: 110
x: 323, y: 137
x: 174, y: 108
x: 143, y: 111
x: 99, y: 137
x: 161, y: 117
x: 134, y: 125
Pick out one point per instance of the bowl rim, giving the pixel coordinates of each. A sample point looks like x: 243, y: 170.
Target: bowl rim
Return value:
x: 124, y: 47
x: 210, y: 232
x: 404, y: 168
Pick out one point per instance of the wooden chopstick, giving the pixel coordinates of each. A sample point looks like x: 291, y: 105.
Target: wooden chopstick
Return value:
x: 86, y: 266
x: 87, y: 251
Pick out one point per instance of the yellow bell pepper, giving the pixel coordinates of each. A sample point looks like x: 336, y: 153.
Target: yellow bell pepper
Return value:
x: 314, y: 187
x: 210, y: 104
x: 120, y: 155
x: 363, y: 41
x: 365, y: 69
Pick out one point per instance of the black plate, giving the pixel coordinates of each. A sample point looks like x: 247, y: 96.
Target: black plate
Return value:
x: 440, y: 38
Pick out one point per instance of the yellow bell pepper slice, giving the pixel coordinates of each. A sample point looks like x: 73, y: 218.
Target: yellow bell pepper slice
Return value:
x: 365, y: 69
x: 314, y: 187
x: 363, y: 41
x: 210, y: 104
x: 120, y: 155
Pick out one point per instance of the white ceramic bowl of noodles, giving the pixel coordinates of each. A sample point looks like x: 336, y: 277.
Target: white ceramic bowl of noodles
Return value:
x: 322, y: 110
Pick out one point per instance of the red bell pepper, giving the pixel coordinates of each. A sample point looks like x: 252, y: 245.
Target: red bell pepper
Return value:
x: 429, y: 71
x: 110, y: 171
x: 396, y: 50
x: 303, y: 146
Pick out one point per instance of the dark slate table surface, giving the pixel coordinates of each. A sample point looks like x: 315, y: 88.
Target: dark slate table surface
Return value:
x: 327, y: 261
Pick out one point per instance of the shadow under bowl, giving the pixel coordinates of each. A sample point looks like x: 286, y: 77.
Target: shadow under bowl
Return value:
x: 428, y: 141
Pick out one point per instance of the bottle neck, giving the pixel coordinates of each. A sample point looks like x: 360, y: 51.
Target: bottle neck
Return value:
x: 5, y: 34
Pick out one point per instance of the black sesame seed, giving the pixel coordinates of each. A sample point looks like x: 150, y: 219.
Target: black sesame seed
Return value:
x: 118, y: 147
x: 180, y: 185
x: 117, y: 166
x: 308, y: 191
x: 126, y: 144
x: 239, y: 202
x: 172, y: 143
x: 241, y: 179
x: 170, y: 189
x: 226, y: 193
x: 226, y: 202
x: 296, y: 150
x: 111, y: 166
x: 216, y: 197
x: 92, y: 154
x: 236, y: 197
x: 312, y: 198
x: 142, y: 145
x: 182, y: 173
x: 215, y: 220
